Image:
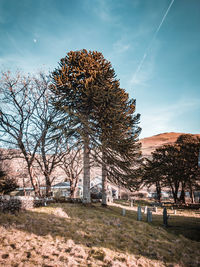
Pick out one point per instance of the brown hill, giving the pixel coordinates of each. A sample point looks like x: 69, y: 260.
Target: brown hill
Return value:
x: 149, y: 144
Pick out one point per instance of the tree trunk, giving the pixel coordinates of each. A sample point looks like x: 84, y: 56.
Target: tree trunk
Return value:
x: 73, y: 187
x: 119, y: 192
x: 73, y: 193
x: 182, y: 196
x: 48, y: 185
x: 175, y: 197
x: 191, y: 195
x: 34, y: 185
x: 24, y: 187
x: 158, y: 191
x: 86, y: 172
x: 104, y: 182
x: 174, y: 192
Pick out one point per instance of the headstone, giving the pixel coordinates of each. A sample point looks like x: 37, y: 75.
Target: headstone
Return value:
x: 174, y: 212
x: 139, y: 214
x: 149, y: 215
x: 123, y: 212
x: 165, y: 217
x: 145, y: 210
x: 6, y: 197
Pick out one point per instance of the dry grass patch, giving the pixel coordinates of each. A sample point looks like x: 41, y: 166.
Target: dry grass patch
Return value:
x: 77, y: 235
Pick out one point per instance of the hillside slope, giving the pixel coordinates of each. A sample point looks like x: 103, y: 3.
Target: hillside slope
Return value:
x: 149, y: 144
x: 77, y: 235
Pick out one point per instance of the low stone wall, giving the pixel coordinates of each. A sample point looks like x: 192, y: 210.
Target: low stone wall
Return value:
x: 16, y: 203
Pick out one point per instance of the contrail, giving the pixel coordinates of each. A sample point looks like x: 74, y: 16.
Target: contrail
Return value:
x: 150, y: 44
x: 163, y: 19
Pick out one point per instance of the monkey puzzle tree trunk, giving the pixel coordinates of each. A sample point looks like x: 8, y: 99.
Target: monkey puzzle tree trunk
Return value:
x: 86, y: 171
x: 104, y: 181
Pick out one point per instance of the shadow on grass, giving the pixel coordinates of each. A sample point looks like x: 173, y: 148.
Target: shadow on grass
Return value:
x: 95, y: 226
x: 189, y: 227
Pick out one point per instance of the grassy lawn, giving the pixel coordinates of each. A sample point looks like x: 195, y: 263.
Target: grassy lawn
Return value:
x: 184, y: 222
x: 78, y: 235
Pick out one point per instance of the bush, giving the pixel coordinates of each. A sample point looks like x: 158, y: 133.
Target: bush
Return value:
x: 141, y: 195
x: 124, y: 196
x: 96, y: 195
x: 17, y: 203
x: 59, y: 199
x: 7, y: 184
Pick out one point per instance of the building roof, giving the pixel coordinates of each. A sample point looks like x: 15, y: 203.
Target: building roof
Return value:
x: 62, y: 184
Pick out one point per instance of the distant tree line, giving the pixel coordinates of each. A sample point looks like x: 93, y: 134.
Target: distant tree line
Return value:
x: 174, y: 166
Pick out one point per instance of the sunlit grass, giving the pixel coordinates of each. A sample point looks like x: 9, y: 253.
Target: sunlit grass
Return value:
x: 78, y: 235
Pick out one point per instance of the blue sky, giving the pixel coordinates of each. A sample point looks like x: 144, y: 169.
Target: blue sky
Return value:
x: 159, y: 66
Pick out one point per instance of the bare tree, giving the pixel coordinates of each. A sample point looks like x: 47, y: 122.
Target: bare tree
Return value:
x: 19, y: 100
x: 72, y: 164
x: 28, y: 122
x: 51, y: 148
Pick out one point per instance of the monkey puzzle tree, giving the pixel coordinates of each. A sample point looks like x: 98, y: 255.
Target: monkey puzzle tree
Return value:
x: 85, y: 88
x: 75, y: 87
x: 120, y: 150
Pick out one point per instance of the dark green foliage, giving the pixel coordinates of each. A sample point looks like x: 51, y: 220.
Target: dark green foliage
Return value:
x: 175, y: 166
x: 188, y: 164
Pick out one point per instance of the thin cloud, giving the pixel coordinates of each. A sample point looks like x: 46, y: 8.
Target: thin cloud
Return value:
x: 14, y: 43
x: 120, y: 46
x: 159, y: 119
x: 102, y: 9
x: 151, y: 42
x: 147, y: 73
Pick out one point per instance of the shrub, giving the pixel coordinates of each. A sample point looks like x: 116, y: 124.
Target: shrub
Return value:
x: 7, y: 184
